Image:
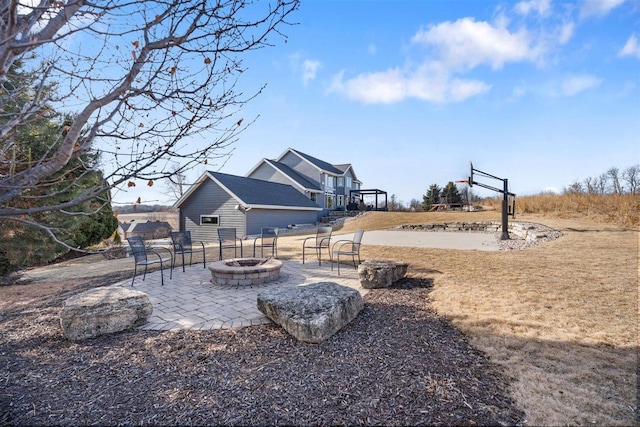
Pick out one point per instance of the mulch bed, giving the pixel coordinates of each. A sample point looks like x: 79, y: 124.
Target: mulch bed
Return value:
x: 397, y: 363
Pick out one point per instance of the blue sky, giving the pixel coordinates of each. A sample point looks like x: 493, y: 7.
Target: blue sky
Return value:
x: 541, y: 92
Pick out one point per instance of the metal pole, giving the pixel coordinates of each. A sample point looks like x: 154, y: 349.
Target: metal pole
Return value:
x: 505, y: 212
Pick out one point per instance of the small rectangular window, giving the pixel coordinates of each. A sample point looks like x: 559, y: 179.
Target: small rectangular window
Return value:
x: 209, y: 219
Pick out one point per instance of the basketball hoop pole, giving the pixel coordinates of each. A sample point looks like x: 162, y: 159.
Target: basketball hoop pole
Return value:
x: 505, y: 211
x: 505, y: 197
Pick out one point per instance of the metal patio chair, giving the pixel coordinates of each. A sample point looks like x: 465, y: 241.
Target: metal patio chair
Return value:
x: 347, y: 247
x: 268, y: 239
x: 182, y: 244
x: 144, y: 256
x: 320, y: 241
x: 227, y: 239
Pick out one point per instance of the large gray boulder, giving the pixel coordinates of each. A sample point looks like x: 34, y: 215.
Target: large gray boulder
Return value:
x: 311, y: 313
x: 103, y: 311
x: 380, y: 273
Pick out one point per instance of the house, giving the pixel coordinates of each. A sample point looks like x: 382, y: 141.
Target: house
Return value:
x: 219, y: 200
x: 148, y: 229
x: 330, y: 186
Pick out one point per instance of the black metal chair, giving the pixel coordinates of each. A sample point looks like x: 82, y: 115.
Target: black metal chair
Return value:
x: 227, y: 239
x: 347, y: 247
x: 141, y: 255
x: 322, y: 240
x: 268, y: 239
x: 182, y: 244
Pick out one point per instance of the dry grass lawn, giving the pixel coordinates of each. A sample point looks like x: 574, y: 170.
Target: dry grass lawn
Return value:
x: 561, y: 318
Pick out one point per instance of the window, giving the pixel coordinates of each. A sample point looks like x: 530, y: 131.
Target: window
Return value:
x: 340, y: 181
x: 329, y: 201
x: 329, y: 181
x: 209, y: 219
x: 313, y: 197
x: 348, y: 182
x: 340, y: 201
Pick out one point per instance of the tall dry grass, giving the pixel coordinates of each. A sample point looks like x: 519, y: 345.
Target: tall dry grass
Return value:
x: 621, y: 209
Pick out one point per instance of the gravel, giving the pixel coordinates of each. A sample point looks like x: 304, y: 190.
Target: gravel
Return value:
x: 397, y: 363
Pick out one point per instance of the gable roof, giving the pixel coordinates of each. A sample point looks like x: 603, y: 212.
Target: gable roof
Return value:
x: 255, y: 193
x: 344, y: 168
x: 294, y: 175
x: 320, y: 164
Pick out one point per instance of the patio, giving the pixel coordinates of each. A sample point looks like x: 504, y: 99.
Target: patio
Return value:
x: 191, y: 301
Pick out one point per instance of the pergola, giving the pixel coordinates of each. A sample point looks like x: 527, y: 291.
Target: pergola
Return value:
x: 370, y: 192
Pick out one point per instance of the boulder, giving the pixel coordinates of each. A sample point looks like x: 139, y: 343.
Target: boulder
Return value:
x: 311, y: 313
x: 103, y: 311
x: 380, y: 274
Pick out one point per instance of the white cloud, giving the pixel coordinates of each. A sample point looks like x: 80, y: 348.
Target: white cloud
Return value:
x: 579, y: 83
x: 566, y: 32
x: 598, y: 8
x: 465, y: 44
x: 631, y: 48
x: 309, y: 70
x: 395, y: 85
x: 525, y: 7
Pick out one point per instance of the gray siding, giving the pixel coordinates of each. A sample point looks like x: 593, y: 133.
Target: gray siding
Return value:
x: 209, y: 199
x: 258, y: 218
x: 267, y: 173
x: 264, y: 172
x: 302, y: 166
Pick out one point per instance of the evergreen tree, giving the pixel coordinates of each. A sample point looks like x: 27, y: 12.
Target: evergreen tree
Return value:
x: 432, y: 197
x: 24, y: 240
x: 451, y: 194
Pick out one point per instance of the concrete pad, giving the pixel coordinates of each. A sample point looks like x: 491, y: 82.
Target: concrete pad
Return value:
x: 426, y: 239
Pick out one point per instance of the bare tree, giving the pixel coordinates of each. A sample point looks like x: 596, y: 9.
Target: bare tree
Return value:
x: 140, y: 79
x: 575, y: 188
x: 631, y: 177
x: 394, y: 203
x: 614, y: 176
x: 601, y: 183
x: 590, y: 185
x: 415, y: 205
x: 177, y: 182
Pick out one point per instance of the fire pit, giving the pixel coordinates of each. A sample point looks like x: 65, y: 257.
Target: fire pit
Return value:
x: 245, y: 271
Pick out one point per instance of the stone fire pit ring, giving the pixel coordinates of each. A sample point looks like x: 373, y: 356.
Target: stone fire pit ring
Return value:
x: 245, y: 271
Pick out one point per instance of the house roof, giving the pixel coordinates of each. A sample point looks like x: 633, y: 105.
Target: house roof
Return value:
x: 299, y: 179
x: 344, y: 168
x: 256, y: 193
x: 320, y: 164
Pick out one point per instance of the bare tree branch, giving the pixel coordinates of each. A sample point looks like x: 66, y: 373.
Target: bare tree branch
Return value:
x: 142, y: 80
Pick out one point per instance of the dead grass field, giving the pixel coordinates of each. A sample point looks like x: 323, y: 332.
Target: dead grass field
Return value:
x: 561, y: 318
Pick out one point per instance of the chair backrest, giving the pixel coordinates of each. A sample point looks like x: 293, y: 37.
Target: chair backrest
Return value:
x: 138, y: 248
x: 181, y: 240
x: 357, y: 239
x: 323, y: 233
x: 269, y: 236
x: 227, y: 234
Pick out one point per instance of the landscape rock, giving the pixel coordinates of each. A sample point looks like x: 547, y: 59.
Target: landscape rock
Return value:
x: 381, y: 273
x: 103, y: 311
x: 314, y: 312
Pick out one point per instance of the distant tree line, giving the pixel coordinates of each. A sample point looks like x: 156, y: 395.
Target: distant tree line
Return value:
x: 129, y: 209
x: 613, y: 181
x: 449, y: 194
